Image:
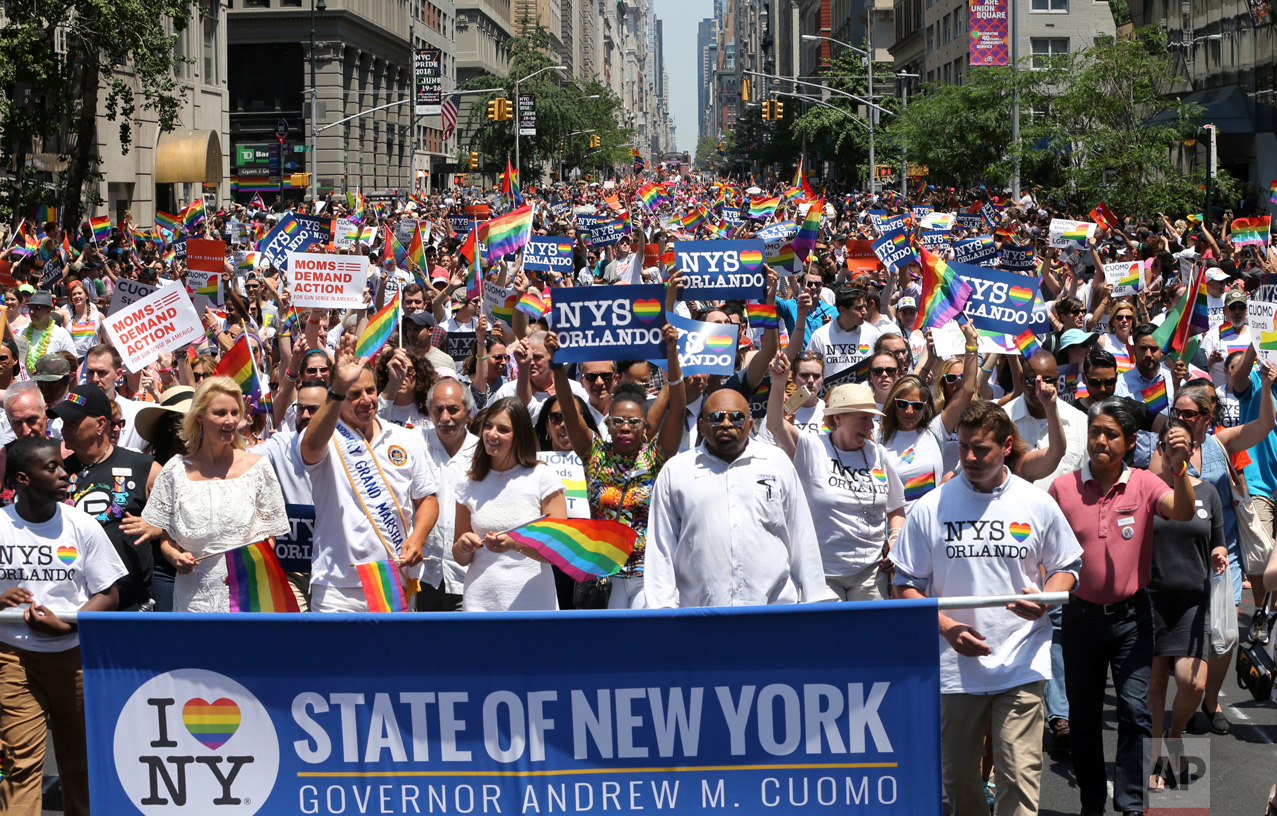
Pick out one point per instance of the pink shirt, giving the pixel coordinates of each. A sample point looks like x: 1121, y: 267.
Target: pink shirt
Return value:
x: 1114, y: 529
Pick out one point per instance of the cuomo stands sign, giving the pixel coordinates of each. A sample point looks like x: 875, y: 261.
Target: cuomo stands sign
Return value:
x: 327, y: 281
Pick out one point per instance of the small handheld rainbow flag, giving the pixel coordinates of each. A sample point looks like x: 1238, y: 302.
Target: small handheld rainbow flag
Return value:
x: 1028, y: 344
x: 800, y: 181
x: 194, y: 214
x: 1154, y: 397
x: 507, y: 234
x: 582, y: 548
x: 510, y: 185
x: 291, y: 319
x: 379, y: 329
x: 533, y: 304
x: 1105, y: 217
x: 1272, y: 192
x: 1251, y: 231
x: 48, y: 214
x: 237, y: 364
x: 920, y: 485
x: 943, y: 292
x: 805, y: 240
x: 256, y: 580
x: 762, y: 208
x: 383, y: 586
x: 650, y: 195
x: 101, y: 228
x: 417, y: 249
x: 761, y: 316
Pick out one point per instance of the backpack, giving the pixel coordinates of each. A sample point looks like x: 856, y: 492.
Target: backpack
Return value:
x: 1255, y: 670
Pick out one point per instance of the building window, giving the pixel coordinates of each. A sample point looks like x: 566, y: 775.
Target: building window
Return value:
x: 945, y: 39
x: 931, y: 38
x: 1044, y: 47
x: 256, y: 3
x: 948, y: 75
x: 1050, y: 5
x: 210, y: 50
x: 293, y: 3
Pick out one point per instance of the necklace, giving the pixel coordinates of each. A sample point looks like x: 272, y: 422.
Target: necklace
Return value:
x: 84, y: 471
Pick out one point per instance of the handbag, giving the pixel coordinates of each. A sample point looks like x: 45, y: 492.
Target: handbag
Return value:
x: 1254, y: 541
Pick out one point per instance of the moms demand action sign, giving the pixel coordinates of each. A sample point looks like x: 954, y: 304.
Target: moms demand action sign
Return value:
x: 327, y: 281
x: 164, y: 320
x: 221, y: 721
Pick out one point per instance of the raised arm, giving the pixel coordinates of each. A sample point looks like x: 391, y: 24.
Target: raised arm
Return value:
x: 784, y: 432
x: 1041, y: 463
x: 970, y: 380
x: 670, y: 434
x: 579, y: 434
x: 1250, y: 434
x: 346, y: 370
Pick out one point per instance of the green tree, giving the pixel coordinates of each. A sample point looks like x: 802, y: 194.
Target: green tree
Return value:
x: 117, y: 59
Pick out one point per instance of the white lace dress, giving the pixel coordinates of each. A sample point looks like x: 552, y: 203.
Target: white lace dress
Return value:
x: 213, y: 516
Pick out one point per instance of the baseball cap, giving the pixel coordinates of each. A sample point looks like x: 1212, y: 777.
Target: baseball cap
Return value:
x: 906, y: 302
x: 51, y: 368
x: 851, y: 398
x: 1216, y: 274
x: 84, y: 400
x: 1073, y: 337
x: 1234, y: 296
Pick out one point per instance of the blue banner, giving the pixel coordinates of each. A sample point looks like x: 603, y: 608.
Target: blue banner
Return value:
x: 718, y: 270
x: 733, y: 216
x: 747, y: 711
x: 979, y: 251
x: 703, y: 348
x: 618, y: 322
x: 1002, y: 301
x: 542, y: 254
x: 462, y: 224
x: 293, y: 549
x: 294, y: 233
x: 969, y: 221
x: 778, y: 232
x: 1018, y: 259
x: 606, y: 232
x: 895, y: 251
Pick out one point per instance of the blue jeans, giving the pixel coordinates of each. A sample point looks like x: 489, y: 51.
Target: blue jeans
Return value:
x: 1094, y: 643
x: 1057, y: 699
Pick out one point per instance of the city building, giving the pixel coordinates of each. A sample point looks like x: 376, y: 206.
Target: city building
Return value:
x: 706, y: 64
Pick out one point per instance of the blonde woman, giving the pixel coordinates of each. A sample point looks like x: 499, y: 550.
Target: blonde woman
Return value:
x: 81, y: 318
x: 215, y: 498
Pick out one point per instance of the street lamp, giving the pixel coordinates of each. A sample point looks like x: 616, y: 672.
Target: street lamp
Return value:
x: 869, y: 66
x: 321, y: 5
x: 517, y: 82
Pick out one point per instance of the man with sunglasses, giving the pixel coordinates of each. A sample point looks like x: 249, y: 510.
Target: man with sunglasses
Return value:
x: 729, y: 523
x: 815, y: 312
x: 1149, y: 382
x: 1231, y: 335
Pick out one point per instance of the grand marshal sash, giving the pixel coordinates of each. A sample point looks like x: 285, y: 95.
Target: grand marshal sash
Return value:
x: 376, y: 499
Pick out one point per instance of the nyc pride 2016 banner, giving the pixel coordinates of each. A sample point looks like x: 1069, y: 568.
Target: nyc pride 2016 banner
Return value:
x: 542, y: 254
x: 722, y: 269
x: 692, y: 717
x: 621, y: 322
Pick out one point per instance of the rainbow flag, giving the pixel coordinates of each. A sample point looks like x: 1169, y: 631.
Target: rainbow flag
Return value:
x: 650, y: 195
x: 378, y: 330
x: 47, y: 213
x: 506, y: 234
x: 291, y: 319
x: 383, y: 586
x: 1199, y: 320
x: 193, y: 214
x: 920, y: 485
x: 582, y: 548
x: 761, y: 315
x: 792, y: 193
x: 805, y: 240
x: 693, y: 219
x: 533, y: 304
x: 1105, y: 217
x: 943, y: 292
x: 762, y: 208
x: 800, y: 181
x: 417, y: 249
x: 101, y: 228
x: 1251, y: 231
x: 1272, y: 192
x: 1174, y: 332
x: 510, y: 185
x: 1155, y: 397
x: 257, y: 581
x: 1027, y: 343
x: 237, y: 364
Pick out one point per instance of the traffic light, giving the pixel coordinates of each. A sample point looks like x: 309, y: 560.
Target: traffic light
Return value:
x: 494, y: 110
x: 503, y: 109
x: 744, y: 89
x: 767, y: 109
x: 474, y: 160
x: 778, y: 110
x: 460, y: 180
x: 595, y: 142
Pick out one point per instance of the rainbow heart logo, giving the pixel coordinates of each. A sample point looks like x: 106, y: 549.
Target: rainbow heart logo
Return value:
x: 67, y: 555
x: 863, y: 348
x: 718, y: 342
x: 880, y: 475
x: 751, y: 258
x: 1020, y: 294
x: 1020, y: 530
x: 647, y: 310
x: 213, y: 724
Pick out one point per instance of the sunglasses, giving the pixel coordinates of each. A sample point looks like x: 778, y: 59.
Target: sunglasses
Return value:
x: 626, y: 422
x: 302, y: 408
x: 1123, y: 317
x: 879, y: 371
x: 556, y: 417
x: 950, y: 379
x: 814, y: 284
x: 596, y: 377
x: 1188, y: 414
x: 1071, y: 312
x: 200, y: 375
x: 737, y: 418
x: 1107, y: 382
x: 905, y: 405
x: 1237, y: 307
x: 499, y: 356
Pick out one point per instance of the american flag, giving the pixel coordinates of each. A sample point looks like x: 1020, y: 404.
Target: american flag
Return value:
x: 449, y: 114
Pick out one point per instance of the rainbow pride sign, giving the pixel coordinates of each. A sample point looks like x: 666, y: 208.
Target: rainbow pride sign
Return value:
x: 722, y: 270
x: 1002, y: 301
x: 703, y: 348
x: 620, y: 322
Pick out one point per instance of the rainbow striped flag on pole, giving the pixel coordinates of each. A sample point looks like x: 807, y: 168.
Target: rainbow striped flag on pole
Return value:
x: 256, y: 580
x: 194, y: 214
x: 1251, y: 231
x: 101, y: 228
x: 582, y: 548
x: 805, y: 240
x: 762, y: 208
x: 379, y: 329
x: 237, y: 364
x: 383, y: 586
x: 507, y: 234
x: 943, y: 292
x: 167, y: 221
x: 1272, y: 192
x: 1027, y: 343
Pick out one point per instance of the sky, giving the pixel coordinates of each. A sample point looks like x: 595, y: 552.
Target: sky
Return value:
x: 679, y: 19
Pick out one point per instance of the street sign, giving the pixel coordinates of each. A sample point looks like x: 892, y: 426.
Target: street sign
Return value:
x: 281, y: 129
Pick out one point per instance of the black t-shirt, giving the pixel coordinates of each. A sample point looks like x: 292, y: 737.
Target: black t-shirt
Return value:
x: 107, y: 491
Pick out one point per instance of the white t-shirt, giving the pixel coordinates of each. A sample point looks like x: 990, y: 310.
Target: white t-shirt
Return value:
x: 405, y: 416
x: 1233, y: 340
x: 850, y: 494
x: 343, y: 533
x: 918, y: 457
x: 62, y: 562
x: 129, y: 437
x: 59, y: 340
x: 509, y: 581
x: 842, y: 349
x: 807, y: 419
x: 988, y: 544
x: 449, y: 472
x: 511, y: 389
x: 451, y: 325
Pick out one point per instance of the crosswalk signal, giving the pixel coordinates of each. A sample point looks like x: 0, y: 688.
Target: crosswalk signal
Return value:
x: 474, y: 160
x: 460, y: 180
x: 778, y: 110
x: 494, y: 110
x: 767, y: 110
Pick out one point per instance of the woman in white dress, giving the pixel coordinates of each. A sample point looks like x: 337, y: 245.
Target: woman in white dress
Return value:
x: 505, y: 487
x: 215, y: 498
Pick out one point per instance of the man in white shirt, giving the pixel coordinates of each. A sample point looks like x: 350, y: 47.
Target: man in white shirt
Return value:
x: 103, y: 367
x: 535, y: 383
x: 1228, y: 336
x: 42, y: 335
x: 1032, y: 414
x: 997, y: 535
x: 598, y: 378
x: 373, y: 488
x: 450, y: 447
x: 1148, y: 382
x: 846, y: 342
x: 729, y: 522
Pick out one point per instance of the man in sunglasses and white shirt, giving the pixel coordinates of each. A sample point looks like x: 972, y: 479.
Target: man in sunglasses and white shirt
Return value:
x: 729, y: 523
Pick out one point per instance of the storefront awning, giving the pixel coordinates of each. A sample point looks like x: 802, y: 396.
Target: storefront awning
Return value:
x: 189, y: 156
